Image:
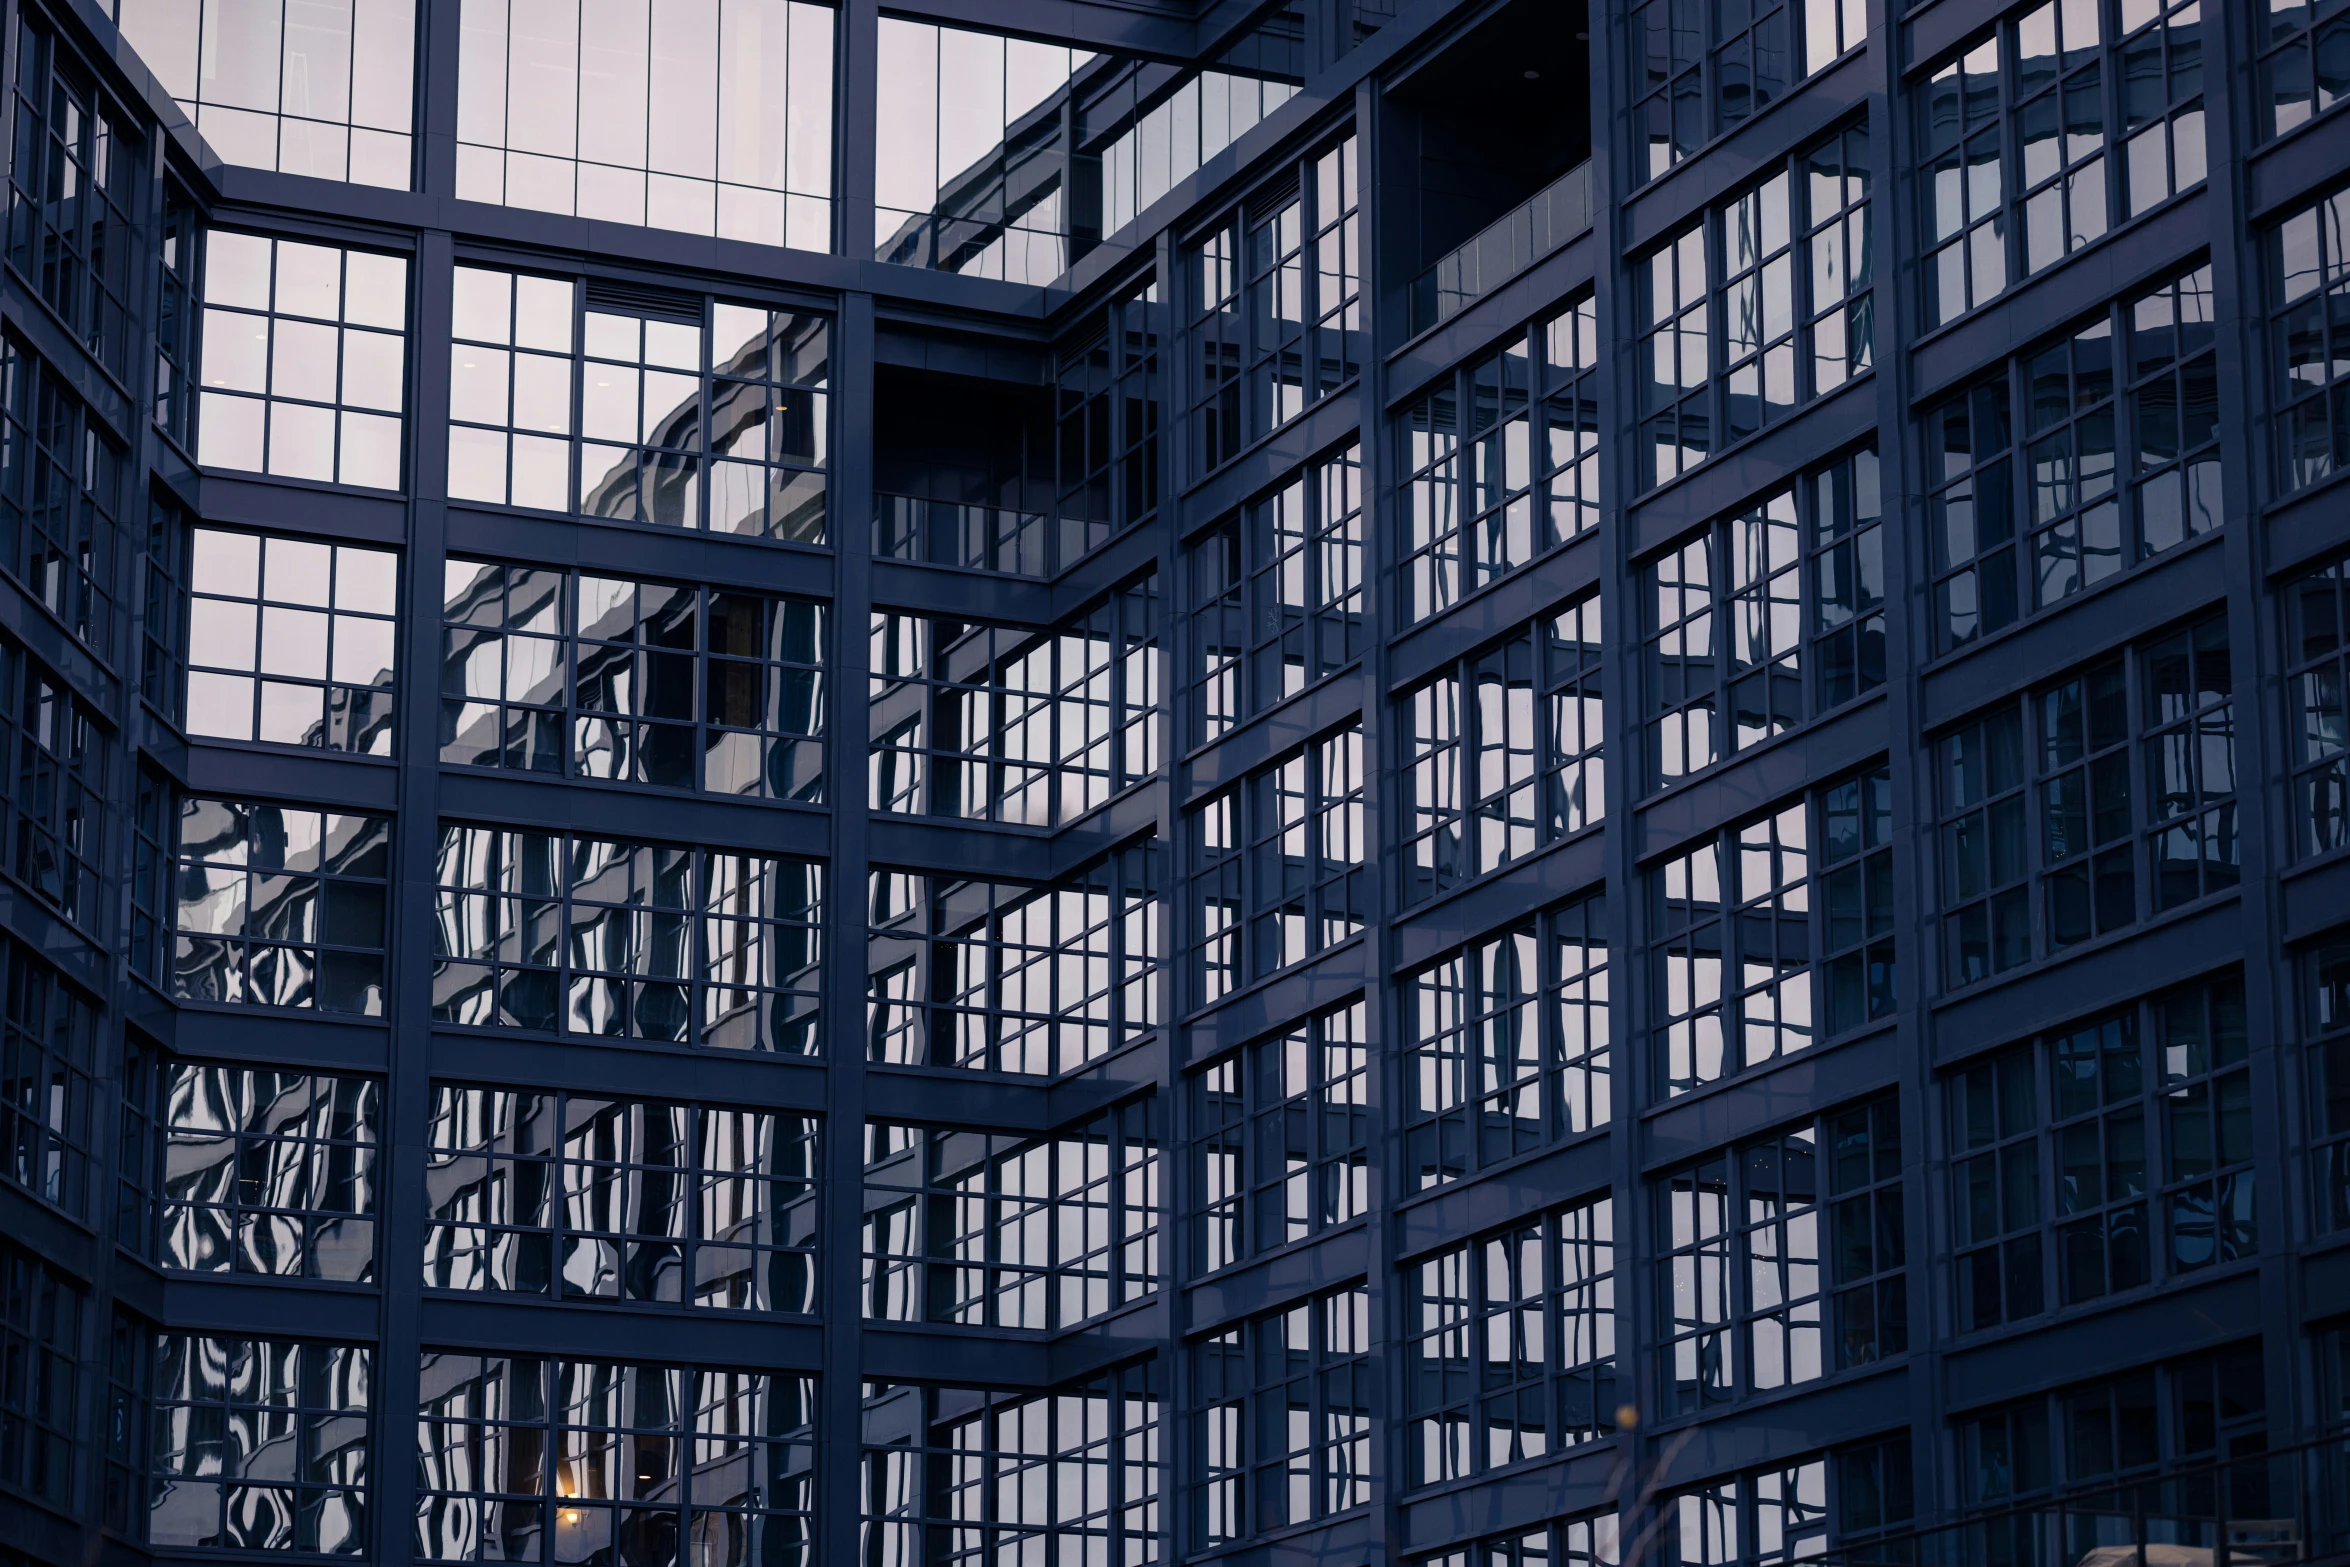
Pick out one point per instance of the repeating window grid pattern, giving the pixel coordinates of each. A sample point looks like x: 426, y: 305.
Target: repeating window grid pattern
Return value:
x: 717, y: 124
x: 2058, y: 768
x: 269, y: 1173
x: 44, y: 1327
x: 740, y: 448
x: 1995, y: 1190
x: 279, y: 906
x: 1758, y: 307
x: 2059, y: 114
x: 138, y: 1147
x: 2158, y: 89
x: 1278, y: 311
x: 2318, y: 670
x: 1961, y: 167
x: 163, y: 629
x: 1726, y: 646
x: 669, y: 684
x: 1699, y: 71
x: 260, y: 1444
x: 2147, y: 1154
x: 1837, y: 243
x: 48, y: 1065
x: 2308, y: 259
x: 1011, y: 977
x: 510, y: 379
x: 153, y: 815
x: 1282, y: 1421
x: 1586, y: 1540
x: 2326, y: 1025
x: 1845, y: 549
x: 1857, y: 967
x: 1867, y: 1238
x: 1971, y: 514
x: 637, y: 1461
x: 960, y: 1475
x: 58, y: 819
x: 702, y: 1206
x: 1508, y: 1045
x: 1277, y: 866
x: 1511, y: 1349
x: 1504, y: 753
x: 72, y: 184
x: 292, y: 641
x: 2075, y: 519
x: 1677, y: 429
x: 1281, y: 1139
x: 1731, y: 951
x: 178, y: 240
x: 1773, y: 1271
x: 304, y: 360
x: 61, y: 492
x: 2305, y: 63
x: 1005, y: 724
x: 1758, y: 1519
x: 129, y: 1403
x: 565, y: 933
x: 2173, y: 371
x: 1277, y: 596
x: 1502, y: 467
x: 982, y: 1230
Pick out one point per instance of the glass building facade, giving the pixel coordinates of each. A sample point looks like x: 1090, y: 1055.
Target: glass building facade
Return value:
x: 1602, y: 814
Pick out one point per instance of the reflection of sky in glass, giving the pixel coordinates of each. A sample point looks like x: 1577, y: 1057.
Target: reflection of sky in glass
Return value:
x: 705, y: 116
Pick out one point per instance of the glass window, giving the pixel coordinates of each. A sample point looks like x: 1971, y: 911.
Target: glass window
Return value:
x: 640, y: 1457
x: 1109, y: 389
x: 1508, y: 1045
x: 2104, y: 1157
x: 1503, y: 753
x: 122, y: 1485
x: 1073, y: 1473
x: 1757, y: 1292
x: 1277, y: 316
x: 1277, y: 596
x: 1034, y: 727
x: 47, y: 1071
x: 1003, y: 976
x: 1585, y: 1540
x: 1510, y: 1348
x: 973, y: 170
x: 2072, y: 117
x: 724, y: 128
x: 684, y: 687
x: 2059, y: 765
x: 2317, y: 654
x: 154, y: 814
x: 75, y: 180
x: 163, y: 639
x: 1758, y: 1519
x: 690, y: 413
x: 1281, y: 1138
x: 270, y: 1173
x: 2306, y: 68
x: 178, y: 238
x: 1761, y: 306
x: 43, y: 1337
x: 2309, y: 293
x: 280, y: 906
x: 1281, y: 1426
x: 1700, y: 70
x: 1736, y: 922
x: 2326, y: 1023
x: 305, y: 360
x: 292, y: 641
x: 1277, y: 866
x: 540, y: 1192
x: 61, y: 491
x: 1738, y: 612
x: 323, y: 90
x: 2119, y: 461
x: 1529, y: 478
x: 301, y: 1483
x: 55, y: 811
x: 999, y: 1231
x: 565, y: 933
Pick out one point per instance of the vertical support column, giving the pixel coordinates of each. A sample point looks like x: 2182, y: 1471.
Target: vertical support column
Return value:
x: 2264, y: 823
x: 839, y: 1390
x: 436, y: 97
x: 855, y: 141
x: 1178, y: 1193
x: 407, y: 1102
x: 1619, y: 608
x: 1908, y: 642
